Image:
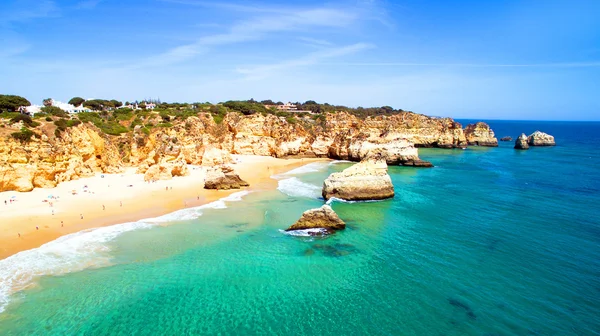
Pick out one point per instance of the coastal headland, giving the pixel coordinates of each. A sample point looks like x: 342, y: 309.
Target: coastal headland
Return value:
x: 65, y: 172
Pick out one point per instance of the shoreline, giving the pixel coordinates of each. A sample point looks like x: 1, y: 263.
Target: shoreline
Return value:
x: 30, y: 220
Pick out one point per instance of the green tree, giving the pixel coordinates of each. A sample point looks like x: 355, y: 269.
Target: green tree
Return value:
x: 55, y: 111
x: 76, y: 101
x: 12, y: 103
x: 116, y: 103
x: 47, y: 102
x: 94, y: 104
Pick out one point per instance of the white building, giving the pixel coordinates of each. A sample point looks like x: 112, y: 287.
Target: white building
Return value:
x: 69, y: 108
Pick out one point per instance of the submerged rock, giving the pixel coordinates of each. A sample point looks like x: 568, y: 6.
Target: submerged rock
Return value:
x: 538, y: 138
x: 366, y: 180
x: 223, y: 178
x: 521, y: 142
x: 506, y: 138
x: 320, y: 218
x: 480, y: 134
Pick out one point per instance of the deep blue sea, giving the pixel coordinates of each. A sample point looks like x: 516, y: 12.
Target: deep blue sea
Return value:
x: 491, y: 241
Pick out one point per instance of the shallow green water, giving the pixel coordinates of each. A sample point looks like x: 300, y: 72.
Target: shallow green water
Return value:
x: 489, y: 242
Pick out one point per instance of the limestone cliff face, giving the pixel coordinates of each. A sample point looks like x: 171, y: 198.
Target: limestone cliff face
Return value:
x: 480, y: 134
x: 320, y: 218
x: 366, y: 180
x: 164, y: 152
x: 538, y: 138
x: 47, y: 160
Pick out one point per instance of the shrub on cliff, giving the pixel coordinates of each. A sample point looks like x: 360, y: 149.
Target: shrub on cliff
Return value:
x: 25, y: 119
x: 24, y: 135
x: 55, y: 111
x: 245, y: 107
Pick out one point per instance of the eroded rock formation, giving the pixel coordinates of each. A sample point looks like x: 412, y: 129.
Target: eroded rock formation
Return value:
x: 521, y: 142
x: 538, y: 138
x: 320, y: 218
x: 506, y: 138
x: 366, y: 180
x: 223, y: 178
x: 158, y: 152
x: 480, y: 134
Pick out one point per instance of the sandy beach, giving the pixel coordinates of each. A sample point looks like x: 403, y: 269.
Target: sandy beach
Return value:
x: 29, y: 220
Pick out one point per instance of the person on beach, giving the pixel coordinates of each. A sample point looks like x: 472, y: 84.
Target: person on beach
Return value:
x: 61, y: 224
x: 103, y: 207
x: 81, y: 215
x: 5, y: 203
x: 37, y: 228
x: 121, y: 203
x: 19, y: 235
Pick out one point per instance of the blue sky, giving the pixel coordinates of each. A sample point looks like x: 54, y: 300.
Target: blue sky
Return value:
x: 507, y: 59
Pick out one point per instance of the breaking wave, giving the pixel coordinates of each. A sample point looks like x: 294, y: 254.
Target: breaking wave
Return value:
x: 295, y: 188
x: 305, y: 232
x: 81, y: 250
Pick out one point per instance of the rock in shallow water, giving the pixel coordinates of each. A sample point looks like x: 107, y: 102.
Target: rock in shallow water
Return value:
x: 521, y: 142
x: 506, y: 138
x: 320, y: 218
x: 366, y: 180
x: 538, y: 138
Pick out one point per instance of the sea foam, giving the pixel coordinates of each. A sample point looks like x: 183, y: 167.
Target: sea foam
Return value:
x: 305, y: 232
x: 308, y: 168
x: 70, y: 253
x: 295, y: 188
x: 81, y: 250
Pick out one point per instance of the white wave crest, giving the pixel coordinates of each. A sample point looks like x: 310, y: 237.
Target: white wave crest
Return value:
x: 335, y: 199
x: 82, y: 250
x: 235, y: 197
x: 309, y: 168
x: 70, y: 253
x: 305, y: 232
x: 295, y: 188
x: 339, y: 161
x: 195, y: 212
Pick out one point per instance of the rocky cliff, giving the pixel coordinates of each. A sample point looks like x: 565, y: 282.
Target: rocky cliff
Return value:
x: 321, y: 218
x: 364, y: 181
x: 538, y: 138
x: 51, y: 157
x: 480, y: 134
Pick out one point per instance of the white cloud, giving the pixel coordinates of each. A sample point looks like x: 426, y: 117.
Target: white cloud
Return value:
x: 262, y: 71
x: 253, y: 29
x: 26, y: 10
x: 315, y: 42
x: 478, y: 65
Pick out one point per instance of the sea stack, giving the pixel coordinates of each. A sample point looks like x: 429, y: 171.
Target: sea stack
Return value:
x: 480, y: 134
x: 538, y: 138
x: 506, y: 138
x: 223, y: 178
x: 320, y: 218
x: 366, y: 180
x: 394, y: 148
x: 521, y: 142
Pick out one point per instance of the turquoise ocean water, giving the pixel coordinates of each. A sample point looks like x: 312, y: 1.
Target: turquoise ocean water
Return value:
x: 491, y: 241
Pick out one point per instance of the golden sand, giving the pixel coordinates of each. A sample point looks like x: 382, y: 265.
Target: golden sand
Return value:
x: 42, y: 215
